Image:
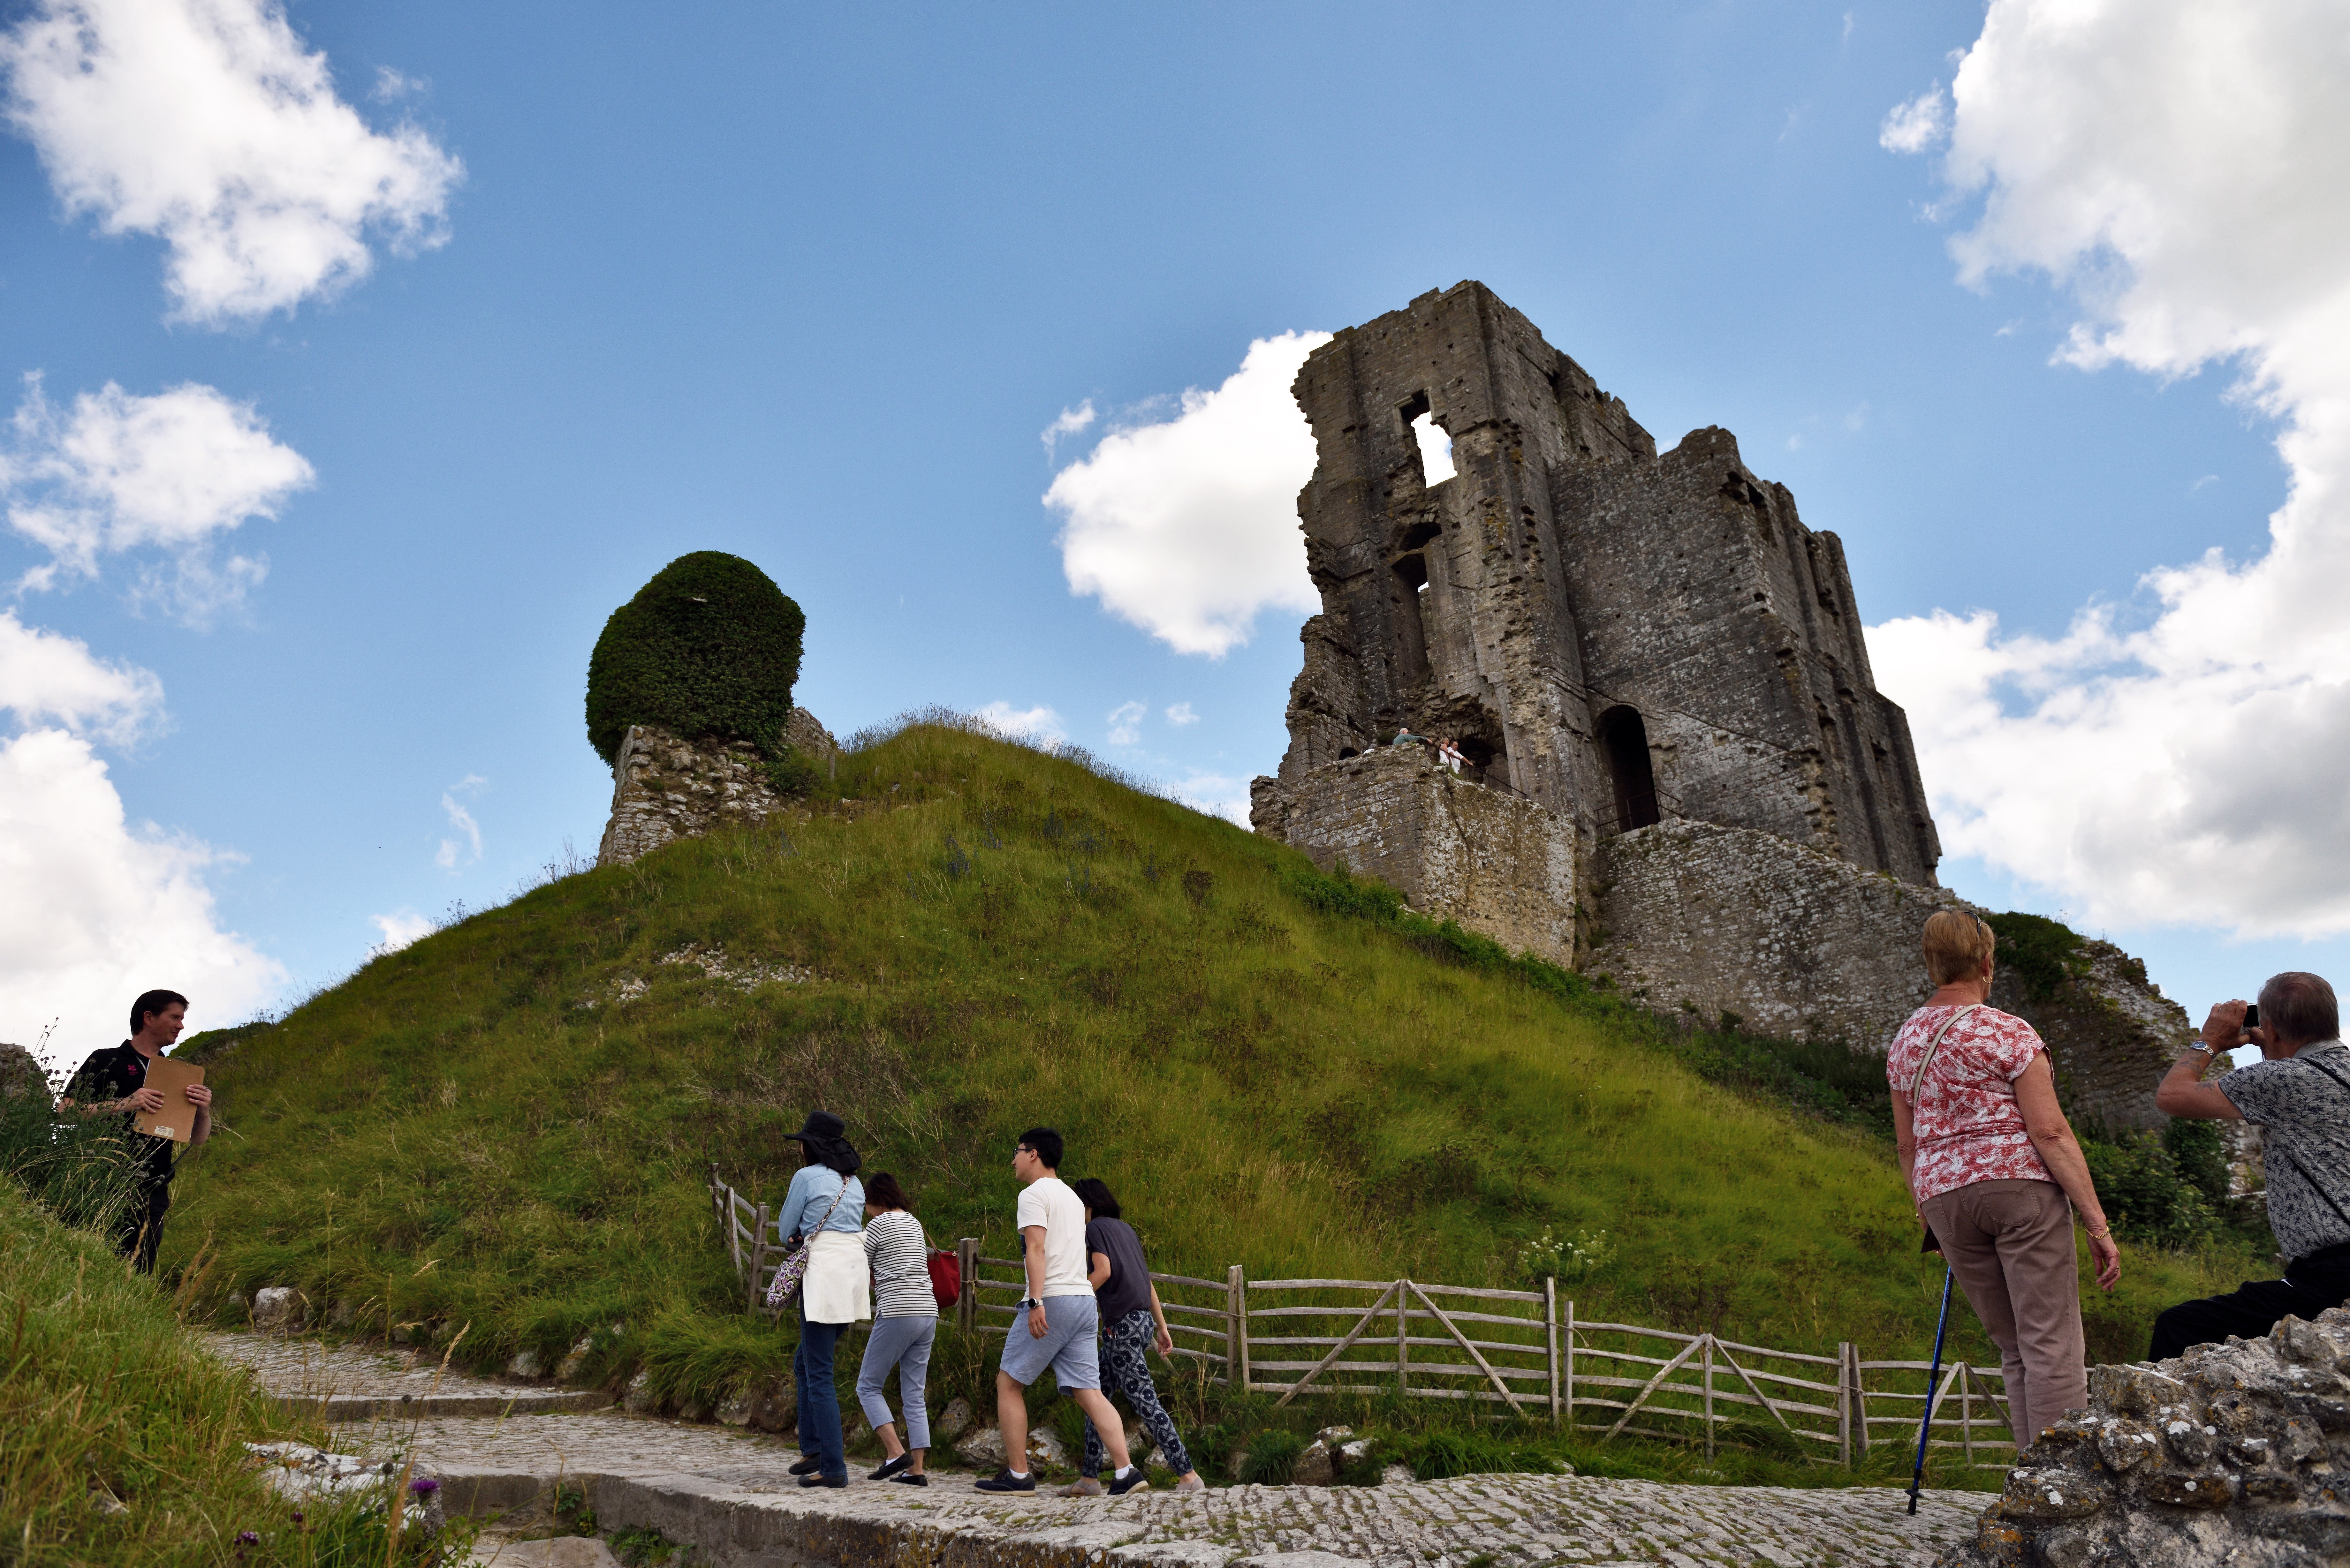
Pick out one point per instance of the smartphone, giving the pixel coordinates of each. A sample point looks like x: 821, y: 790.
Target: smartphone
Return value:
x: 2252, y: 1016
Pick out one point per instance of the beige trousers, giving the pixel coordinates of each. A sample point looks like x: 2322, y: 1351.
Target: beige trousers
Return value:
x: 2010, y: 1244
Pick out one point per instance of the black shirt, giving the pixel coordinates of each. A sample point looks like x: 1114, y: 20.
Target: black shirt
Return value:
x: 116, y: 1074
x: 1128, y: 1289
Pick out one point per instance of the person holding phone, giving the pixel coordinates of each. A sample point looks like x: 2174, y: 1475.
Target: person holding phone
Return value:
x: 2298, y: 1095
x: 114, y: 1082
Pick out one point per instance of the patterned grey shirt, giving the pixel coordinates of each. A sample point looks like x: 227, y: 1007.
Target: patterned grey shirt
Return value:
x: 2301, y: 1105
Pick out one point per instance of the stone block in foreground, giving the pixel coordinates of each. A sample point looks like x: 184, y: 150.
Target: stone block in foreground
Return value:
x: 2231, y: 1453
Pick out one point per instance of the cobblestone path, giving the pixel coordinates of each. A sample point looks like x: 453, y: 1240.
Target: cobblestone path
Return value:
x: 727, y: 1491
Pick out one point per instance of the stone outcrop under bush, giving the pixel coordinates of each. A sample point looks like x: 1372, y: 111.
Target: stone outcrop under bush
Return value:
x: 665, y: 788
x: 2235, y: 1453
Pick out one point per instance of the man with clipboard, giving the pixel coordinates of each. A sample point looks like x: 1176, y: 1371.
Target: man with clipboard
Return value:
x: 155, y: 1114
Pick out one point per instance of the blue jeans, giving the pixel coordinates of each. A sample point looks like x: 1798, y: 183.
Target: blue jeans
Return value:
x: 819, y: 1406
x: 903, y: 1343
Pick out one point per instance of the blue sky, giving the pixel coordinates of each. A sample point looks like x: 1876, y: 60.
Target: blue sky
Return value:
x: 810, y: 284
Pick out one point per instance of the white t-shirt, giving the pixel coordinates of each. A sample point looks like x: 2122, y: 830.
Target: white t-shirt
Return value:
x: 1047, y: 1201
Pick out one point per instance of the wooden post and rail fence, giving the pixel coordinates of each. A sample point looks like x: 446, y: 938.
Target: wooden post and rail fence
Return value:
x: 1522, y: 1354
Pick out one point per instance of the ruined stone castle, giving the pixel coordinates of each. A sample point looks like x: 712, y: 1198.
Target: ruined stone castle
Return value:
x: 1676, y: 770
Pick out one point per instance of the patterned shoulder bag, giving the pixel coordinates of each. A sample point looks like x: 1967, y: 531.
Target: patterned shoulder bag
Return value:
x: 793, y: 1268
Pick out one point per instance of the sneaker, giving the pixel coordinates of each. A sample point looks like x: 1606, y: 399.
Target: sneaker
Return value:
x: 1084, y: 1486
x: 1192, y: 1483
x: 807, y: 1465
x: 890, y: 1468
x: 1005, y: 1480
x: 1135, y: 1481
x: 911, y: 1479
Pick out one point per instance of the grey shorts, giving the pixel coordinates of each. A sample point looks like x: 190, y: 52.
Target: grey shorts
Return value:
x: 1067, y: 1346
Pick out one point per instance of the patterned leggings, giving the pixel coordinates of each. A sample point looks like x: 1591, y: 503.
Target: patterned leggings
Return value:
x: 1124, y: 1369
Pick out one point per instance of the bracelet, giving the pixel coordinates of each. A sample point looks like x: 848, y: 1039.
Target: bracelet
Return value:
x: 2105, y: 1235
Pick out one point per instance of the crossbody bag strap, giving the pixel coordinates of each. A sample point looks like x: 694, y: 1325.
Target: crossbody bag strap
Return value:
x: 809, y: 1236
x: 1933, y: 1045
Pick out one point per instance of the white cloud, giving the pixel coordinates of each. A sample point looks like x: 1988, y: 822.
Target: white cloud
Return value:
x: 1070, y: 422
x: 1916, y: 125
x: 1180, y: 714
x: 208, y: 124
x: 45, y: 676
x: 1188, y: 526
x: 1215, y: 793
x: 1039, y: 725
x: 400, y: 928
x: 1126, y: 723
x: 93, y: 910
x: 470, y: 846
x: 391, y: 85
x: 2179, y: 167
x: 117, y: 473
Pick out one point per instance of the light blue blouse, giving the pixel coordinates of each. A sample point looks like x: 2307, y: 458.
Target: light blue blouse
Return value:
x: 811, y: 1194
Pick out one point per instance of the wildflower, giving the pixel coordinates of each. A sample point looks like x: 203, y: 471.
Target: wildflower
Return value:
x: 424, y: 1485
x: 248, y: 1538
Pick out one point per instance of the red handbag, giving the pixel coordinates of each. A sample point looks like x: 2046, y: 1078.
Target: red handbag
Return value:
x: 946, y: 1280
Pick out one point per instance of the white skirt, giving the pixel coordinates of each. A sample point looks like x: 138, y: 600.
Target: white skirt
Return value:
x: 838, y: 1286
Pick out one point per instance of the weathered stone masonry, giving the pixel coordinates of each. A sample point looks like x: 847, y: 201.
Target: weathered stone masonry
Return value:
x: 1682, y: 774
x: 665, y: 788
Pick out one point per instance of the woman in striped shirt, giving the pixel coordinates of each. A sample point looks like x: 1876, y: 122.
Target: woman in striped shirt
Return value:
x: 905, y: 1321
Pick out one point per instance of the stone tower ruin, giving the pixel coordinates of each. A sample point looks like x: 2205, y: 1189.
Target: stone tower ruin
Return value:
x: 1620, y: 636
x: 1679, y: 771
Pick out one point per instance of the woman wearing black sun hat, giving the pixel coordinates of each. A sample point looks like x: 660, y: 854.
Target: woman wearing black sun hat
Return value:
x: 826, y: 1204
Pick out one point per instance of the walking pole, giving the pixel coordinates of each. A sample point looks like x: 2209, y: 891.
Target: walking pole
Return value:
x: 1925, y: 1425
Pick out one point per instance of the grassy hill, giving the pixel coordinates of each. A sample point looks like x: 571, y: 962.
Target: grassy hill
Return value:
x: 504, y: 1129
x: 121, y: 1442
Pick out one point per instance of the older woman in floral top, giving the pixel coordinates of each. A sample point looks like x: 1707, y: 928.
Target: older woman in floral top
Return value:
x: 1992, y: 1164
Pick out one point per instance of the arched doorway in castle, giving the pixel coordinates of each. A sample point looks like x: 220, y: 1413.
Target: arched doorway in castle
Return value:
x: 1623, y: 738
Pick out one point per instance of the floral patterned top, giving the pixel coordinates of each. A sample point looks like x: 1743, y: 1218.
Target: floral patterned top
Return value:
x: 1968, y: 1124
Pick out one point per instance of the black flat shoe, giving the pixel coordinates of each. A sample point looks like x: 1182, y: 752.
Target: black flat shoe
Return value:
x: 836, y: 1482
x: 911, y: 1480
x: 805, y: 1467
x: 891, y: 1468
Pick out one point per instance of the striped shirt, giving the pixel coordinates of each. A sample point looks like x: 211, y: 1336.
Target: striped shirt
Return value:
x: 901, y: 1266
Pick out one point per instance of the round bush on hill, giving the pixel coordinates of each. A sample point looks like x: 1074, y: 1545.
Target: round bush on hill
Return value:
x: 709, y: 649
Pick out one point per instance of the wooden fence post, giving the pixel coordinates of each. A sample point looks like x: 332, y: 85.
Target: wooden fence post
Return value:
x: 1570, y: 1365
x: 1708, y: 1396
x: 1550, y: 1332
x: 1860, y: 1406
x: 1240, y: 1287
x: 1844, y: 1403
x: 967, y: 1302
x: 758, y: 1260
x: 1403, y: 1342
x: 1235, y: 1329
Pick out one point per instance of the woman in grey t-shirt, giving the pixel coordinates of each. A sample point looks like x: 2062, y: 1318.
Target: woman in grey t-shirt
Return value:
x: 905, y: 1322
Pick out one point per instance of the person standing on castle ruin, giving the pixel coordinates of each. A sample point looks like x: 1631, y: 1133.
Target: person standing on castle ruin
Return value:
x: 115, y: 1081
x: 2298, y: 1095
x: 1997, y: 1174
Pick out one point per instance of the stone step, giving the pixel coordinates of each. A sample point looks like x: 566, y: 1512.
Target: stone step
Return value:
x: 410, y: 1407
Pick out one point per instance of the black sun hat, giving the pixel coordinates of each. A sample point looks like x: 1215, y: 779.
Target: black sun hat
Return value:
x: 826, y: 1137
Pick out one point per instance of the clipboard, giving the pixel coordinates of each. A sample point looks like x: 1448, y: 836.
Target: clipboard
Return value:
x: 177, y: 1119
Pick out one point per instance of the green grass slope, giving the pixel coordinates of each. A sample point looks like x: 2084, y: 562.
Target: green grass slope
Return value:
x: 122, y: 1441
x: 495, y: 1131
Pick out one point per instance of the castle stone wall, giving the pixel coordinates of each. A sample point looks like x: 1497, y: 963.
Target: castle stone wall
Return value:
x: 665, y: 788
x: 1496, y: 863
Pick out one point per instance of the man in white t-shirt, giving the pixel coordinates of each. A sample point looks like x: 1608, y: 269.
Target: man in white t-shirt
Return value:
x: 1059, y: 1322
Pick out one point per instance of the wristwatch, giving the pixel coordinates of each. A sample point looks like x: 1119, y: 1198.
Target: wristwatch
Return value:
x: 1026, y: 1303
